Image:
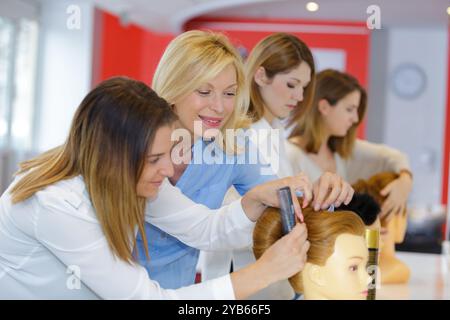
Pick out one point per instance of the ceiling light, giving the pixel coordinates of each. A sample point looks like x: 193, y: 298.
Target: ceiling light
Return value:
x: 312, y: 6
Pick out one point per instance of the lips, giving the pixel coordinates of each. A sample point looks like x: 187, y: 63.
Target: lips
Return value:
x: 211, y: 122
x: 291, y: 106
x: 157, y: 183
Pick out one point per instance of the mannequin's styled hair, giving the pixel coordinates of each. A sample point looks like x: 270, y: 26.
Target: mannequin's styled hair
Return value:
x: 323, y: 229
x: 364, y: 205
x: 374, y: 185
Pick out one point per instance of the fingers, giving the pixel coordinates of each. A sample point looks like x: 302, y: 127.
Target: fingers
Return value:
x: 344, y: 196
x: 388, y: 215
x: 304, y: 185
x: 297, y: 208
x: 321, y: 188
x: 387, y: 206
x: 336, y: 185
x: 298, y: 235
x: 347, y: 194
x: 386, y: 190
x: 338, y: 191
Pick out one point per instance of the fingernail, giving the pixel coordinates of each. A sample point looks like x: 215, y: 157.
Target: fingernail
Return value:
x: 299, y: 193
x: 316, y: 207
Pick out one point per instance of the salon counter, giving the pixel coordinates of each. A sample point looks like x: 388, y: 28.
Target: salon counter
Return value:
x: 430, y: 279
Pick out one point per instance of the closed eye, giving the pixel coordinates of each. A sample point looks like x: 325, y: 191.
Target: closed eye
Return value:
x: 290, y: 85
x: 204, y: 92
x: 154, y: 160
x: 230, y: 94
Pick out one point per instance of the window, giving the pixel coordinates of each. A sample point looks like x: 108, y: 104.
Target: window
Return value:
x: 18, y: 57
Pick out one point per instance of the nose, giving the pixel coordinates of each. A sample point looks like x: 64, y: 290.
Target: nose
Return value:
x: 167, y: 169
x: 217, y: 104
x: 298, y: 94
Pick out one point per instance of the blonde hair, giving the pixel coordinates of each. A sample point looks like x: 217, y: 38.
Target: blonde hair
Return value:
x: 278, y: 53
x: 323, y: 229
x: 192, y: 59
x: 111, y: 133
x: 331, y: 85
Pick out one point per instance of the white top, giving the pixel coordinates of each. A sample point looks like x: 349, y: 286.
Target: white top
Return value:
x: 271, y: 140
x: 367, y: 159
x: 55, y: 233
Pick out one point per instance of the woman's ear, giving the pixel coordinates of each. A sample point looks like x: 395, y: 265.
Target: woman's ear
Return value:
x: 324, y: 107
x: 316, y: 275
x: 260, y: 77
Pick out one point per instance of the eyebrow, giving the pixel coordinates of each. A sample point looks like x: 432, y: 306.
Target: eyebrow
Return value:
x: 161, y: 154
x: 155, y: 155
x: 356, y: 257
x: 231, y: 85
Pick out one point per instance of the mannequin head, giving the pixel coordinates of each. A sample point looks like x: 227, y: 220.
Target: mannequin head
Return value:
x: 336, y: 260
x: 338, y: 107
x: 280, y: 70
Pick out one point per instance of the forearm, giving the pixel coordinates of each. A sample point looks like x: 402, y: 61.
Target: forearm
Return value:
x: 252, y: 207
x: 249, y: 280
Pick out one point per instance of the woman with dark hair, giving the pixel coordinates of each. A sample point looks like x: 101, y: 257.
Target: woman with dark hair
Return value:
x: 68, y: 221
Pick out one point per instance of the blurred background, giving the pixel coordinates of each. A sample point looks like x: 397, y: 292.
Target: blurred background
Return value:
x: 52, y: 52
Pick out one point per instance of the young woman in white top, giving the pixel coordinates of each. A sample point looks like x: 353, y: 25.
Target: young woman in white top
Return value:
x: 68, y: 222
x: 325, y: 140
x: 280, y: 72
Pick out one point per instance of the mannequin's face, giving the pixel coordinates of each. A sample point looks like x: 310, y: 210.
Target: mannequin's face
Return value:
x: 344, y: 276
x: 338, y: 119
x: 211, y: 104
x: 284, y: 91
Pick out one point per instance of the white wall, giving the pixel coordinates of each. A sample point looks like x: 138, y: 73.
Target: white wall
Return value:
x: 64, y: 69
x: 413, y: 126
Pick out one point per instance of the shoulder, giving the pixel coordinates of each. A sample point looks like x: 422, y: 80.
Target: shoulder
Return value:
x: 293, y: 149
x: 68, y: 196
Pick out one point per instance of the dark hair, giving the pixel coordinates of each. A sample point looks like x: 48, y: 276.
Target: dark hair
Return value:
x: 364, y: 206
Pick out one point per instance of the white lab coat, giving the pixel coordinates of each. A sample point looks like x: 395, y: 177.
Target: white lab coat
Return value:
x: 52, y: 246
x: 271, y: 145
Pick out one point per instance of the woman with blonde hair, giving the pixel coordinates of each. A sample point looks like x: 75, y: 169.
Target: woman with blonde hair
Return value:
x: 201, y: 75
x: 324, y: 139
x: 68, y: 222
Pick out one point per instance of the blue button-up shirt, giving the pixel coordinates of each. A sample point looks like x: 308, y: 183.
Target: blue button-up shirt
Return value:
x: 206, y: 180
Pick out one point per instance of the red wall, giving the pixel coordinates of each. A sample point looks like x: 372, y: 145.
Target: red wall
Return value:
x: 446, y: 157
x: 125, y: 50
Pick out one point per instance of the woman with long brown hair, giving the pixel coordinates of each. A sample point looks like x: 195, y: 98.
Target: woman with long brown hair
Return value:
x: 68, y: 221
x: 324, y: 139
